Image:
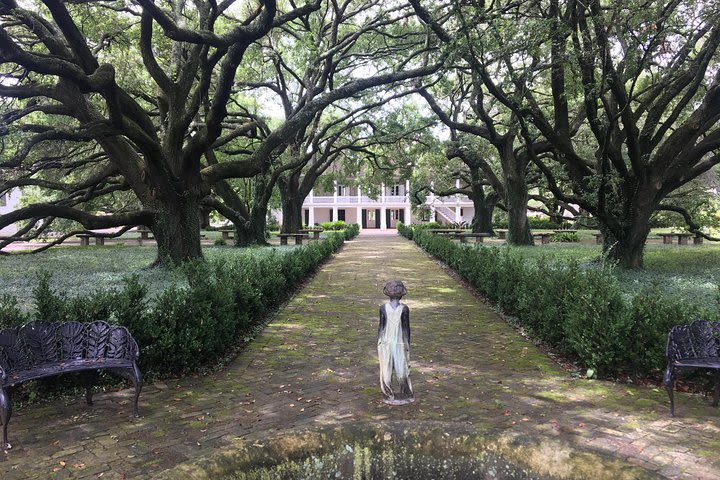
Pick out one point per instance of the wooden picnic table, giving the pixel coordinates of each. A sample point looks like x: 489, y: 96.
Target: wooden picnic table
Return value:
x: 314, y: 231
x: 297, y: 236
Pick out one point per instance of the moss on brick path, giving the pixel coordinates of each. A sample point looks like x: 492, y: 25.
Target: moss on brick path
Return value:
x: 315, y: 365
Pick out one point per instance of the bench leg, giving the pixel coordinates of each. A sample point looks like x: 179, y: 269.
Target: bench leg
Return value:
x: 90, y: 379
x: 669, y: 381
x: 138, y: 383
x: 5, y: 413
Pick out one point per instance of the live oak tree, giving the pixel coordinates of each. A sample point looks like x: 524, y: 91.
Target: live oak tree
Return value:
x: 644, y: 78
x: 480, y: 102
x: 148, y: 133
x: 145, y: 134
x: 323, y: 54
x: 460, y: 168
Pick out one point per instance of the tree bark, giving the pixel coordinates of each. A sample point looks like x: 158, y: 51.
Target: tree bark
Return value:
x: 626, y: 242
x: 482, y: 221
x: 291, y: 200
x: 516, y: 193
x: 252, y: 232
x: 176, y: 227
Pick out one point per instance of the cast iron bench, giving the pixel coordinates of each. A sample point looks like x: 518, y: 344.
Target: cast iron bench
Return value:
x: 43, y: 349
x: 689, y: 347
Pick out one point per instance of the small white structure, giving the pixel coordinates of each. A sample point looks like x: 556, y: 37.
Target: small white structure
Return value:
x: 9, y: 201
x: 384, y: 212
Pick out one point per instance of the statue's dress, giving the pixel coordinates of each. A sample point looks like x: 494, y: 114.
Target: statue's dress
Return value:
x: 394, y: 352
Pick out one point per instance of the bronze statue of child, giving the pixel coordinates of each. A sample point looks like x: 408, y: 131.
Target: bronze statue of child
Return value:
x: 394, y: 345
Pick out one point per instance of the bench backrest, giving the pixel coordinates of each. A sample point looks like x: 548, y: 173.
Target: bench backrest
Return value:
x: 41, y: 343
x: 700, y: 339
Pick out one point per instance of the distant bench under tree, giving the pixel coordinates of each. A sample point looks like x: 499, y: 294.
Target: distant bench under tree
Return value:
x: 43, y: 349
x: 299, y: 237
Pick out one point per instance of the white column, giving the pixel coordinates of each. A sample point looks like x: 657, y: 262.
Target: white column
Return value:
x: 335, y: 214
x: 311, y: 196
x: 407, y: 191
x: 359, y: 196
x: 335, y: 186
x: 311, y: 215
x: 458, y: 217
x: 383, y: 222
x: 408, y: 215
x: 457, y: 195
x: 359, y: 217
x: 382, y: 193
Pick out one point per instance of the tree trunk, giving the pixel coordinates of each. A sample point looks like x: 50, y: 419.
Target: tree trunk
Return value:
x: 291, y: 200
x: 482, y: 221
x: 627, y: 246
x: 292, y: 215
x: 516, y: 192
x: 176, y: 229
x: 252, y: 232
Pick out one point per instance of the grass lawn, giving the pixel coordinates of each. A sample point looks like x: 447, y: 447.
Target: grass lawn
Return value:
x: 83, y: 270
x: 690, y: 272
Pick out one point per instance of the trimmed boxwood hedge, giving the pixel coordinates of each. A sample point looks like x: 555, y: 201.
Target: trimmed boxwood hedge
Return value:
x: 581, y: 311
x: 187, y: 327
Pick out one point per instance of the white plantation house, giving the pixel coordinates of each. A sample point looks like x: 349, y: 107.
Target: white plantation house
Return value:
x: 392, y: 205
x: 9, y: 201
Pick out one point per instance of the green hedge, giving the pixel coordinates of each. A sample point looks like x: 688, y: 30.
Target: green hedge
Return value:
x: 583, y: 312
x: 351, y: 231
x: 187, y: 327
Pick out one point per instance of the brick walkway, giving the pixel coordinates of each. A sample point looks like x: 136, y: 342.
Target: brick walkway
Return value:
x: 315, y: 365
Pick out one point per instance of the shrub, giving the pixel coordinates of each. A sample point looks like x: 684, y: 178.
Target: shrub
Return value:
x: 404, y: 230
x: 219, y: 242
x: 582, y: 312
x: 351, y: 231
x: 187, y: 327
x: 337, y: 225
x: 10, y: 313
x: 427, y: 225
x: 565, y: 237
